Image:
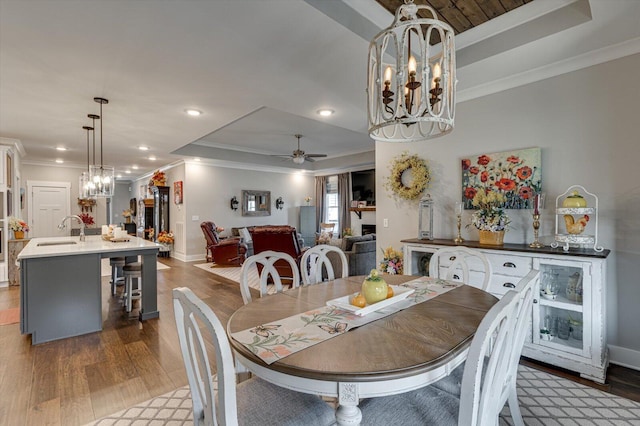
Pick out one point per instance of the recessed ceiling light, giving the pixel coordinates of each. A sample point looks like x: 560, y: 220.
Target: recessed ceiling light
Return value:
x: 152, y: 158
x: 59, y: 161
x: 119, y: 176
x: 325, y: 112
x: 61, y: 148
x: 127, y: 171
x: 196, y: 159
x: 143, y: 148
x: 193, y: 112
x: 134, y: 167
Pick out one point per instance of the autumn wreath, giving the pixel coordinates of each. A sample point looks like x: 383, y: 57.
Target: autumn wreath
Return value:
x: 420, y: 176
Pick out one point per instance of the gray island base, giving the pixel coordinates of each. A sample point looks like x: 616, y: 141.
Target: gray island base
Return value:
x: 60, y: 293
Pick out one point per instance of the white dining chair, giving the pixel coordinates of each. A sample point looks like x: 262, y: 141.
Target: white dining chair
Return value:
x: 317, y: 259
x: 267, y: 270
x: 252, y: 402
x: 488, y: 375
x: 459, y: 260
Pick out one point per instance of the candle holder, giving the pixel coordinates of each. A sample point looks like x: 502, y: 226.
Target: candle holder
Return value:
x: 536, y: 228
x: 459, y: 239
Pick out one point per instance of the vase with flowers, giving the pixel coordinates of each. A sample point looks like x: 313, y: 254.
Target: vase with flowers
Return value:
x: 158, y: 179
x: 127, y: 215
x: 19, y: 227
x: 308, y: 199
x: 87, y: 219
x: 490, y: 219
x: 391, y: 261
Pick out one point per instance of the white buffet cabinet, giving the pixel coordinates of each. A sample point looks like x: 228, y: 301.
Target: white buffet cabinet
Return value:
x: 568, y: 323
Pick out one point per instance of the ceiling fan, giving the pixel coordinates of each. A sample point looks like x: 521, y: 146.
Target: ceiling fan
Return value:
x: 298, y: 156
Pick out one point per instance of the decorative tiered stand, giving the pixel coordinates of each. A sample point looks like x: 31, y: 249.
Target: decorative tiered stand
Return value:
x: 583, y: 239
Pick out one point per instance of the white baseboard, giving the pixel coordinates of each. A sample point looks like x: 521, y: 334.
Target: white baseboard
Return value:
x: 625, y: 357
x: 194, y: 258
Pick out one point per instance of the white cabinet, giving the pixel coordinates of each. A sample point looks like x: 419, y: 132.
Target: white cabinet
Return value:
x: 568, y: 327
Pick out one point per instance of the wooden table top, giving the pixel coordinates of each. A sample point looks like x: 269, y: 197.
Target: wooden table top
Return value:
x: 409, y: 342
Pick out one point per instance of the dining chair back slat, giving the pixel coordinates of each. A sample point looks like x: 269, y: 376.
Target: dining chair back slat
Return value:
x: 316, y: 260
x: 268, y: 272
x: 459, y: 260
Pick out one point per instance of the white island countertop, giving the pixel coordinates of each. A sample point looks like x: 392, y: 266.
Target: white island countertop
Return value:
x: 70, y: 246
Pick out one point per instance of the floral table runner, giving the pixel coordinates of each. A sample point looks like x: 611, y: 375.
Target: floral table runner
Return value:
x: 278, y: 339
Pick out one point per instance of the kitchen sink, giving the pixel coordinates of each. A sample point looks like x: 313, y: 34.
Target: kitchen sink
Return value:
x: 57, y: 243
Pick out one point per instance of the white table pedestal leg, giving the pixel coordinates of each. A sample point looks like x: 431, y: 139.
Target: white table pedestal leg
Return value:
x: 348, y: 412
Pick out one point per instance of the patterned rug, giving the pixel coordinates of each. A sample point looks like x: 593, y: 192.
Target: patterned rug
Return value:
x: 232, y: 275
x: 544, y: 400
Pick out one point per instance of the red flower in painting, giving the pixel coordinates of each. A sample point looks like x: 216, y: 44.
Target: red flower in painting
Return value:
x: 525, y: 192
x: 484, y: 176
x: 513, y: 159
x: 465, y: 164
x: 483, y: 160
x: 474, y: 170
x: 524, y: 173
x: 505, y: 184
x: 469, y: 193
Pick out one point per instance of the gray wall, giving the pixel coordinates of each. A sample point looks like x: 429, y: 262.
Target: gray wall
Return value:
x: 586, y: 123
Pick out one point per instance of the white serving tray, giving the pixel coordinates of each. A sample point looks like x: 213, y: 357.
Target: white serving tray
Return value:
x: 399, y: 293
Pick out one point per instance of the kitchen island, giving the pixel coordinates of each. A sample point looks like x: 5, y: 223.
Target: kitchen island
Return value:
x: 60, y: 293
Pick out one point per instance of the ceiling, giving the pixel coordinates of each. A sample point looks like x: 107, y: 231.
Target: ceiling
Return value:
x: 258, y: 70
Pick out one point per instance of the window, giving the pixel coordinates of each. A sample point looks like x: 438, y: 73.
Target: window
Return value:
x: 331, y: 202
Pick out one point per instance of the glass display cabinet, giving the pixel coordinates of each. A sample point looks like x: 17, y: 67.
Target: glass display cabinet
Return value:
x: 160, y: 210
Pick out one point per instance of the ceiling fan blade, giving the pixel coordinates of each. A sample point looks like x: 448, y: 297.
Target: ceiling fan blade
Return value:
x: 281, y: 155
x: 315, y: 155
x: 311, y: 160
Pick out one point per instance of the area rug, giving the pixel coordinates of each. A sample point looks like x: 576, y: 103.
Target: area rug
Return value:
x: 106, y: 268
x: 544, y: 400
x: 232, y: 275
x: 10, y: 316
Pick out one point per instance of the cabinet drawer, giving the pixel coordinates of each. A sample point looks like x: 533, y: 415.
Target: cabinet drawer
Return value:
x: 500, y: 284
x: 515, y: 266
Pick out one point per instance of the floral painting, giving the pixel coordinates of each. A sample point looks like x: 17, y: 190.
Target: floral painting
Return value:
x: 515, y: 174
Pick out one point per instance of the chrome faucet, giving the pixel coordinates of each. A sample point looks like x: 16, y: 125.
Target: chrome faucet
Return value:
x: 74, y: 216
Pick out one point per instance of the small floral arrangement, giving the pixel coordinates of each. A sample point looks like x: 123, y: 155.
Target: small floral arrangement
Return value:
x: 158, y: 178
x: 126, y: 213
x: 16, y: 224
x: 347, y: 232
x: 165, y: 237
x: 308, y: 199
x: 86, y: 218
x: 490, y: 215
x: 392, y: 261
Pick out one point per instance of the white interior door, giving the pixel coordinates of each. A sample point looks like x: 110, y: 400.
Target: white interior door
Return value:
x: 48, y: 204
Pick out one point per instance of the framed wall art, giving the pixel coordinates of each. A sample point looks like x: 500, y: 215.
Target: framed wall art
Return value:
x: 516, y: 174
x: 177, y: 192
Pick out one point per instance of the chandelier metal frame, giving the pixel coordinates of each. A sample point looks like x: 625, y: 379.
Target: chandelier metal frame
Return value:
x: 411, y: 83
x: 102, y: 177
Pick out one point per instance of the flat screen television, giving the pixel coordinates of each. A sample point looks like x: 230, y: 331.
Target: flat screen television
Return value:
x: 363, y: 186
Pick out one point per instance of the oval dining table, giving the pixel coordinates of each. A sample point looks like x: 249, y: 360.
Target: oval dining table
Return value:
x: 401, y: 352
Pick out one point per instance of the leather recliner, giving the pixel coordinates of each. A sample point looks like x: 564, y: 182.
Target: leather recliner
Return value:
x: 230, y: 251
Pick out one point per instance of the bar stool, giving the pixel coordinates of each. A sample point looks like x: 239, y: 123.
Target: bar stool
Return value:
x: 116, y: 262
x: 132, y: 271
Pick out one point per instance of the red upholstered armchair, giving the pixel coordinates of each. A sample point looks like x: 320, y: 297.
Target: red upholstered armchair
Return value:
x: 223, y: 252
x: 282, y: 238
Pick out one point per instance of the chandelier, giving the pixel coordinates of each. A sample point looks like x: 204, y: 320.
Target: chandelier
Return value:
x: 411, y: 82
x: 102, y: 177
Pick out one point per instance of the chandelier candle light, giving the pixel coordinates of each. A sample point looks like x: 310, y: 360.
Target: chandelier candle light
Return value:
x: 458, y: 239
x: 102, y: 177
x: 412, y: 77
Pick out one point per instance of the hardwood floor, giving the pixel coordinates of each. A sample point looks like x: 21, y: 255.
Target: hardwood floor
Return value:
x: 76, y: 380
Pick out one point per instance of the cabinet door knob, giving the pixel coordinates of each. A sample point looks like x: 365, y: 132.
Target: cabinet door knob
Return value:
x: 452, y: 258
x: 535, y: 300
x: 509, y: 285
x: 455, y: 276
x: 509, y: 265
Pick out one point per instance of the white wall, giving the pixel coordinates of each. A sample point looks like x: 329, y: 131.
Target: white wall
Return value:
x: 586, y: 123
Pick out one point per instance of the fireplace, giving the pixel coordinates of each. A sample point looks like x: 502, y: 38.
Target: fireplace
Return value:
x: 368, y: 229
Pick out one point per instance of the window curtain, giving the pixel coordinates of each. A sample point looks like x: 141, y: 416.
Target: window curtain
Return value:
x: 344, y: 194
x: 321, y: 190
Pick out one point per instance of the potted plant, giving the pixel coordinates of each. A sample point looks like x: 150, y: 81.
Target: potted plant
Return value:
x: 19, y: 227
x: 490, y: 219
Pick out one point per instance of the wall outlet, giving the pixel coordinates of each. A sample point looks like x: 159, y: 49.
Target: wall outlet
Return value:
x: 194, y: 218
x: 385, y: 222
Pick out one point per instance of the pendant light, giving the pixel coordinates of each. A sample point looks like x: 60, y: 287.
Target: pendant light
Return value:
x: 84, y: 177
x: 411, y: 77
x: 102, y: 177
